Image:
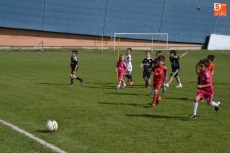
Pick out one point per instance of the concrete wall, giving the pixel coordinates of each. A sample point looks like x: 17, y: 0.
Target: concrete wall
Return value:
x: 178, y: 18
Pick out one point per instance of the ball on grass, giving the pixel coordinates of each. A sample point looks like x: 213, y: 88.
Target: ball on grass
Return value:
x: 51, y: 126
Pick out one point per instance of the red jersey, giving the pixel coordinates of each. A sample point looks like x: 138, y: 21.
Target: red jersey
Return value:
x: 205, y: 78
x: 121, y: 66
x: 159, y: 73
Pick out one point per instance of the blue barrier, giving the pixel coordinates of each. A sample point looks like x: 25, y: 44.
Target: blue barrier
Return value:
x: 178, y: 18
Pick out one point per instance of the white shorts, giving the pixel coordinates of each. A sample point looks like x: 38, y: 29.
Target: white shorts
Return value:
x: 129, y: 68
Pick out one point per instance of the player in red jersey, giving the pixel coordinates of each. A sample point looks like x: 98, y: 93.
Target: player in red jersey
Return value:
x: 159, y: 72
x: 120, y: 69
x: 205, y: 88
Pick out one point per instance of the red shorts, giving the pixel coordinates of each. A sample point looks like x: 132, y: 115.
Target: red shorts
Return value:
x: 207, y: 97
x: 121, y: 76
x: 157, y: 86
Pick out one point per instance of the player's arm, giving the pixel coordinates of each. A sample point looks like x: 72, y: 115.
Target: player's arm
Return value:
x: 141, y: 65
x: 166, y: 74
x: 212, y: 72
x: 186, y: 52
x: 205, y: 85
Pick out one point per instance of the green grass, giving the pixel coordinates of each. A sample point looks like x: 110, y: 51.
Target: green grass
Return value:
x: 95, y: 118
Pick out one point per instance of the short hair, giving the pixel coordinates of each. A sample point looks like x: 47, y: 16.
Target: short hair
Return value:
x: 74, y: 51
x: 211, y: 57
x: 173, y: 52
x: 206, y: 62
x: 161, y: 57
x: 130, y: 49
x: 159, y: 52
x: 148, y: 52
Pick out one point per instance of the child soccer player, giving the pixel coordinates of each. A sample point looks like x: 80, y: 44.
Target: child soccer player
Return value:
x: 158, y: 72
x: 120, y: 69
x: 210, y: 68
x: 174, y: 59
x: 147, y: 63
x: 158, y: 53
x: 205, y: 89
x: 128, y: 60
x: 74, y: 68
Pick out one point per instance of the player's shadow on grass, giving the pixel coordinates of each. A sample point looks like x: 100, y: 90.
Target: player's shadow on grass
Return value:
x: 101, y: 87
x: 55, y: 84
x: 183, y: 98
x: 121, y: 93
x: 123, y: 104
x: 158, y: 116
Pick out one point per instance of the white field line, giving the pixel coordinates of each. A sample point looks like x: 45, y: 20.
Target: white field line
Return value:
x: 31, y: 136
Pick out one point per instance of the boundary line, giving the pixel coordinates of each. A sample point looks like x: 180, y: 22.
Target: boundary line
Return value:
x: 31, y: 136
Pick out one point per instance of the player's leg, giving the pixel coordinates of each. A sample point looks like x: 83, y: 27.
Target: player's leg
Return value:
x: 178, y: 81
x: 195, y: 104
x: 164, y: 86
x: 148, y: 79
x: 130, y: 77
x: 80, y: 79
x: 119, y: 81
x: 123, y: 81
x: 130, y: 74
x: 173, y: 74
x: 210, y: 102
x: 72, y: 75
x: 145, y: 78
x: 156, y: 97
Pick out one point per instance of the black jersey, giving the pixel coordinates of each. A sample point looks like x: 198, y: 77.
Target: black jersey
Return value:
x: 73, y: 61
x: 175, y: 62
x: 147, y: 62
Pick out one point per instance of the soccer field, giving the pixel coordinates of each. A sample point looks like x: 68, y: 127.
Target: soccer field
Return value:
x: 96, y: 118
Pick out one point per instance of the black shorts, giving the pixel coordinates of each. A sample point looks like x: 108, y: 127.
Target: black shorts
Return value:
x: 73, y: 70
x: 146, y: 74
x: 175, y: 72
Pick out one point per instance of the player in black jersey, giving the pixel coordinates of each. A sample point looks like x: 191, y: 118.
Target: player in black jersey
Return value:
x: 174, y: 59
x: 147, y: 63
x: 74, y: 67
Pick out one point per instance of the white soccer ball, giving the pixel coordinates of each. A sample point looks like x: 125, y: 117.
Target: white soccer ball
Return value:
x: 51, y: 125
x: 218, y: 103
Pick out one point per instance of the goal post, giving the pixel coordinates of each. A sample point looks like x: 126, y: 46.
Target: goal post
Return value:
x: 150, y: 41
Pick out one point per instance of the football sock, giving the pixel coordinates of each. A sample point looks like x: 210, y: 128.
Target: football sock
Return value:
x: 195, y: 105
x: 155, y: 98
x: 215, y: 104
x: 79, y: 78
x: 130, y: 77
x: 71, y: 80
x: 118, y: 86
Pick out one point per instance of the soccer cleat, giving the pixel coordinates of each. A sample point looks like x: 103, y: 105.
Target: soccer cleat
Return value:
x: 71, y: 84
x: 123, y: 87
x: 166, y: 85
x: 217, y: 108
x: 82, y: 81
x: 117, y: 88
x: 179, y: 86
x: 152, y: 104
x: 192, y: 116
x: 152, y: 92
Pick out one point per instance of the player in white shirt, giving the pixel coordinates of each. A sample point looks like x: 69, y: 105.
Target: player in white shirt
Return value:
x: 128, y: 60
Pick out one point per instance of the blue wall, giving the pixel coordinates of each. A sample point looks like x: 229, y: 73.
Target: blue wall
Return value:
x: 178, y: 18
